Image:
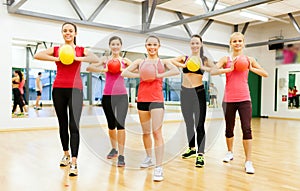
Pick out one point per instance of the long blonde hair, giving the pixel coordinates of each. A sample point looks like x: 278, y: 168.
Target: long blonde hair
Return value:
x: 237, y: 34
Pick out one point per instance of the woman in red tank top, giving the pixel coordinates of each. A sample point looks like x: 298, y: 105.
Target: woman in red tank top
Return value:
x: 67, y: 93
x: 237, y: 97
x: 150, y: 100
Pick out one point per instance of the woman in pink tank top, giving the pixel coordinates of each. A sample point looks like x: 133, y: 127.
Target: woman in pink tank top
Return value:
x: 237, y: 97
x: 115, y: 99
x: 150, y: 101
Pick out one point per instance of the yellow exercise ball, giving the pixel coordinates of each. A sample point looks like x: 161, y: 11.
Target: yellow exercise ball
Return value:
x: 194, y: 63
x: 66, y: 54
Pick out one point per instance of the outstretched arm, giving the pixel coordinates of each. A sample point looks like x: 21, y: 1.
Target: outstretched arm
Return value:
x: 256, y: 68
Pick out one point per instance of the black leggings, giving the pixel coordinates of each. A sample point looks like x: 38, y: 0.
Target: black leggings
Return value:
x: 72, y: 98
x: 115, y: 108
x: 193, y: 107
x: 17, y: 100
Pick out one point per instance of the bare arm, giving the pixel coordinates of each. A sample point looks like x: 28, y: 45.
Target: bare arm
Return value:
x: 127, y: 63
x: 88, y: 57
x: 129, y: 72
x: 219, y: 67
x: 98, y: 67
x: 171, y: 69
x: 178, y: 61
x: 208, y: 66
x: 256, y: 68
x: 46, y: 55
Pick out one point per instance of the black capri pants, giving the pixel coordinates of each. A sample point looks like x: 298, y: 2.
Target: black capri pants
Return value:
x: 115, y: 108
x: 245, y: 112
x: 71, y: 99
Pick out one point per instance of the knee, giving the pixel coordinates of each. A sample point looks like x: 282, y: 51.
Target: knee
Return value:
x: 247, y: 134
x: 229, y: 133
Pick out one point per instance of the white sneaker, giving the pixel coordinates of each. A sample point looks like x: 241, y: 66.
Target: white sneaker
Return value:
x: 147, y: 163
x: 73, y: 170
x: 65, y: 161
x: 228, y: 157
x: 249, y: 167
x: 158, y: 174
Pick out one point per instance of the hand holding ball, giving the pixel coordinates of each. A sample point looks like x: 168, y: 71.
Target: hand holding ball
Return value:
x: 193, y: 64
x: 66, y: 54
x: 241, y: 63
x: 114, y: 66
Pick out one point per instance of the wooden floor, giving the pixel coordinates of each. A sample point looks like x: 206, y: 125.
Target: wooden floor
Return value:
x: 29, y: 160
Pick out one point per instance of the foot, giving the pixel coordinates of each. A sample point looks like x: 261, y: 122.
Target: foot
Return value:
x: 158, y: 174
x: 121, y: 162
x: 73, y: 170
x: 112, y: 154
x: 65, y: 161
x: 228, y: 157
x: 189, y: 153
x: 249, y: 167
x: 199, y: 161
x: 146, y: 163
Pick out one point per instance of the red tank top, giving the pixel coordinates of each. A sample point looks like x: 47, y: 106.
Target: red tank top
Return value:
x: 68, y: 76
x: 152, y: 91
x: 236, y: 88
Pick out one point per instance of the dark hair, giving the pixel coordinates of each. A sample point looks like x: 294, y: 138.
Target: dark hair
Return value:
x: 20, y: 74
x: 203, y: 58
x: 114, y: 38
x: 40, y: 73
x: 153, y: 36
x: 75, y: 28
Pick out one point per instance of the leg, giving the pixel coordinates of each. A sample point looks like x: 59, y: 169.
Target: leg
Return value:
x: 60, y: 103
x: 187, y: 102
x: 245, y: 112
x: 145, y: 123
x: 110, y: 118
x: 157, y: 120
x: 229, y: 110
x: 200, y: 115
x: 75, y: 110
x: 121, y: 113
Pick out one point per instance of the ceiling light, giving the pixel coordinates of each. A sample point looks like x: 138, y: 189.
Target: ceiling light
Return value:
x: 253, y: 16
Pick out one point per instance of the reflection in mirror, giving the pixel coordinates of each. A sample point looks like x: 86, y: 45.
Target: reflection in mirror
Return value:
x: 293, y: 93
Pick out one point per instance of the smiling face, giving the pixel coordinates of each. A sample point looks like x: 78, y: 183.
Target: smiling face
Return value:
x: 195, y: 44
x: 237, y: 42
x: 115, y: 46
x: 69, y: 33
x: 152, y: 45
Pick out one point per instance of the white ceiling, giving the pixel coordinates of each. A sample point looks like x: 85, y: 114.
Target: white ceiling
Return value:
x: 274, y: 10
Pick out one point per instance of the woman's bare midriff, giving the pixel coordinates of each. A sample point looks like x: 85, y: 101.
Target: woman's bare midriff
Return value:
x: 191, y: 80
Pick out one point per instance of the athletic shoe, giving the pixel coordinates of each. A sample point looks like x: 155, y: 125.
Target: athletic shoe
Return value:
x: 249, y: 167
x: 20, y: 115
x: 200, y: 161
x: 158, y: 174
x: 112, y: 154
x: 189, y: 153
x: 73, y: 170
x: 121, y: 161
x: 65, y: 161
x: 228, y: 157
x: 147, y: 163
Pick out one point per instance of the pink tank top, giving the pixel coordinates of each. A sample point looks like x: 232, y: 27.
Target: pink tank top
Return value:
x: 151, y: 91
x: 236, y: 88
x: 114, y: 83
